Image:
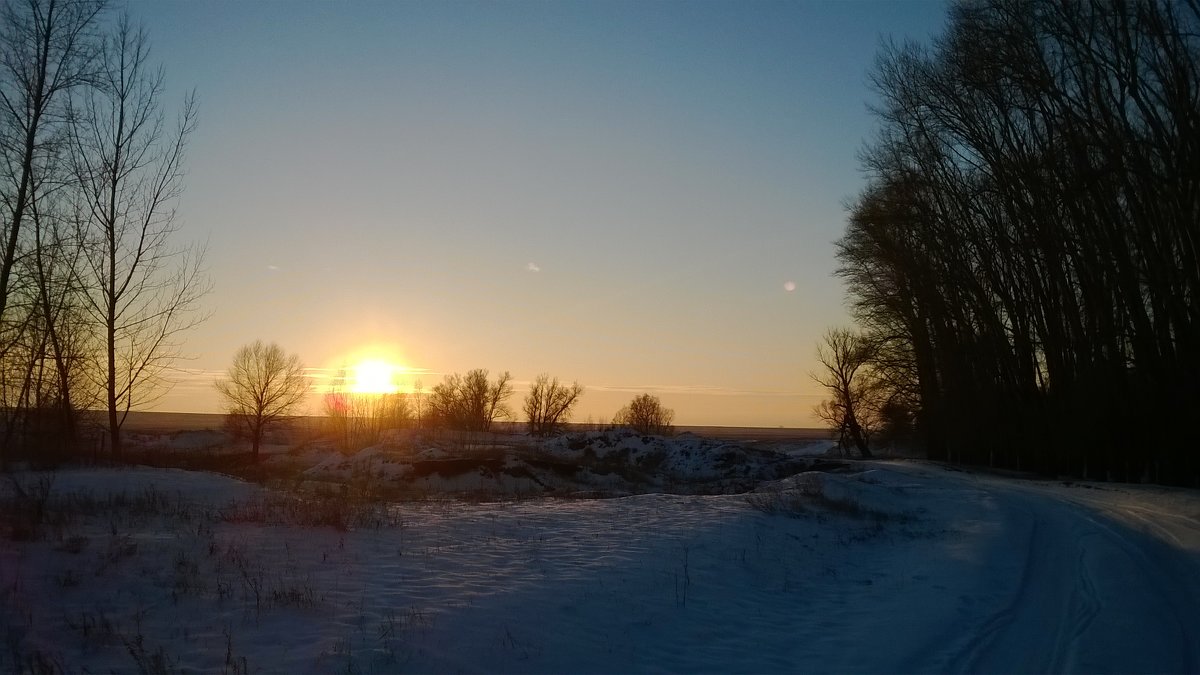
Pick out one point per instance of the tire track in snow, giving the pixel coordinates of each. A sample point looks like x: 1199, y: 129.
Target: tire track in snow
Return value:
x: 1090, y: 594
x: 1182, y: 530
x: 1018, y: 637
x: 1160, y: 583
x: 1175, y: 587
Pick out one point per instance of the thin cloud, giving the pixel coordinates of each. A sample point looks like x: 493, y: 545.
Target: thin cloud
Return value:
x: 701, y: 390
x: 330, y: 372
x: 193, y: 379
x: 532, y: 267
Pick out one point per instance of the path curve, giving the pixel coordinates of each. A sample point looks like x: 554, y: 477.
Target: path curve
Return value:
x: 1106, y: 586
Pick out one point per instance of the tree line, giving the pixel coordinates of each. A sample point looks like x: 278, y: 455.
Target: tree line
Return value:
x: 94, y: 294
x: 265, y: 385
x: 1024, y: 263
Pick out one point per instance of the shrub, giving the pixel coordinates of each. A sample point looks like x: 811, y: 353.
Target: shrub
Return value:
x: 645, y: 414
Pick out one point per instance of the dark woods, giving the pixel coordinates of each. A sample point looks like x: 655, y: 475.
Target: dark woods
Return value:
x: 1025, y: 257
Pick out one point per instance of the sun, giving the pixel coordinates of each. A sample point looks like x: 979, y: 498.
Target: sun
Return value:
x: 373, y: 376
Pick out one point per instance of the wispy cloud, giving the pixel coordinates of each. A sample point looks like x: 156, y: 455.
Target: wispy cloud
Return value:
x: 700, y: 390
x: 324, y: 378
x: 198, y: 379
x: 193, y: 379
x: 532, y: 267
x: 334, y: 372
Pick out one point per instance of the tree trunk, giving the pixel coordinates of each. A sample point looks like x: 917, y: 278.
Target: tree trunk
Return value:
x: 256, y: 435
x: 860, y: 441
x: 114, y: 426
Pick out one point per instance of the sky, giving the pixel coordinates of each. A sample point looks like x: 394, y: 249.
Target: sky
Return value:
x: 638, y: 196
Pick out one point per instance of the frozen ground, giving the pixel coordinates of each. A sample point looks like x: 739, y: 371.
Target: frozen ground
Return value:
x: 408, y: 463
x: 612, y: 463
x: 902, y: 567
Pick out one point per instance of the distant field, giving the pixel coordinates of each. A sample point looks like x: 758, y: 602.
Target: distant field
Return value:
x: 168, y: 422
x: 778, y: 434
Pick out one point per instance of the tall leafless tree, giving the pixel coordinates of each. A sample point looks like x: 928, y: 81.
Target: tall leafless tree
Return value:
x: 143, y: 290
x: 67, y: 335
x: 264, y: 386
x: 46, y: 50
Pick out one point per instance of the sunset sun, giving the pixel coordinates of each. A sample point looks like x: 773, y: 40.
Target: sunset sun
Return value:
x: 375, y: 376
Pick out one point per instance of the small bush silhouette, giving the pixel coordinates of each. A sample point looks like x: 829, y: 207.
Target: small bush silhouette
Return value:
x: 646, y: 414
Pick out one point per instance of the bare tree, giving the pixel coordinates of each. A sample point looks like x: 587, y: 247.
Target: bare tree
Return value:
x: 264, y: 385
x: 645, y: 414
x: 548, y: 404
x: 143, y: 291
x: 498, y: 393
x: 65, y: 336
x: 470, y: 402
x: 845, y: 358
x: 46, y: 50
x: 1027, y: 236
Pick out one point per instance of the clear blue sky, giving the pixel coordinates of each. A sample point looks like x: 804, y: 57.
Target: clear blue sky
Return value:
x: 613, y: 192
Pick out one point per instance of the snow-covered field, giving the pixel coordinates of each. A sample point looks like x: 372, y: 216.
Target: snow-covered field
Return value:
x: 899, y: 567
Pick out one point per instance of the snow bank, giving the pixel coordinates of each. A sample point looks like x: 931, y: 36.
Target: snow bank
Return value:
x: 874, y: 493
x: 613, y: 462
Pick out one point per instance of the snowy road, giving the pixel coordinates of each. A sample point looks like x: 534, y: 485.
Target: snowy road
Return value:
x: 1106, y: 583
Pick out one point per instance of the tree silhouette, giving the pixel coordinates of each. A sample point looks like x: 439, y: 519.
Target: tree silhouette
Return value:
x: 470, y: 402
x: 47, y: 49
x: 143, y: 292
x: 1027, y: 240
x: 548, y: 404
x: 262, y: 387
x: 645, y: 414
x: 854, y: 391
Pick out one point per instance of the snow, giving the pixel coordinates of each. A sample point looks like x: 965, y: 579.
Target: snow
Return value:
x: 611, y: 462
x: 897, y: 567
